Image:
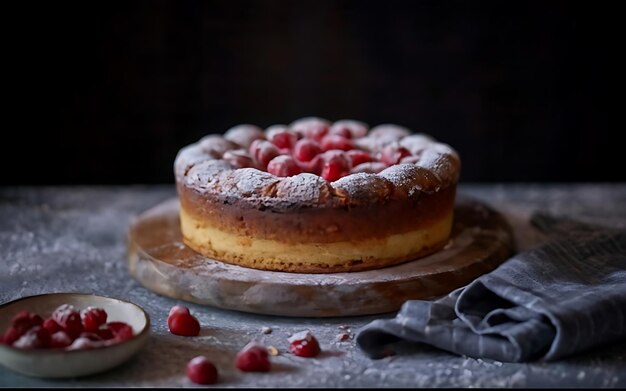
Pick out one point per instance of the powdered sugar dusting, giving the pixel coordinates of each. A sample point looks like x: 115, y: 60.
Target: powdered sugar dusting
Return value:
x: 188, y: 157
x: 301, y: 336
x: 207, y: 174
x: 307, y: 189
x: 440, y: 162
x: 416, y: 143
x: 215, y: 145
x: 243, y: 135
x: 432, y: 165
x: 29, y: 340
x: 363, y: 187
x: 408, y: 178
x: 389, y: 131
x: 250, y: 182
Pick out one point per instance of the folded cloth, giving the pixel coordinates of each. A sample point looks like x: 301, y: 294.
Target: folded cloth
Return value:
x: 560, y: 298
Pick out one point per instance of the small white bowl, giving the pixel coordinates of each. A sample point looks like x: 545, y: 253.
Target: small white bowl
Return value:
x: 56, y: 363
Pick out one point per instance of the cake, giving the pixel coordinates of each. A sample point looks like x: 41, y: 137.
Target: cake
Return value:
x: 316, y: 196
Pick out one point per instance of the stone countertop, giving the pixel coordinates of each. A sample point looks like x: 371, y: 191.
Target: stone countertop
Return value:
x: 73, y: 239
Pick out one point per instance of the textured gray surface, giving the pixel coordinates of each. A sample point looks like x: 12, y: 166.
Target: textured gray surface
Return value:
x: 74, y: 239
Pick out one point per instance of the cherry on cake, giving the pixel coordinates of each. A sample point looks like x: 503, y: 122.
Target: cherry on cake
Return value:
x: 317, y: 196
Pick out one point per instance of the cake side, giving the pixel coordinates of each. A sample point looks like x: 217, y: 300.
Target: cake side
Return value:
x: 318, y: 224
x: 315, y: 257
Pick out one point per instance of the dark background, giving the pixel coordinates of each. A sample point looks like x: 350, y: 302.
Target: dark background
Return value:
x: 108, y: 92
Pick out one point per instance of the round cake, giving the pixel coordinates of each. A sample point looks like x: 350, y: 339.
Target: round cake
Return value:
x: 316, y: 196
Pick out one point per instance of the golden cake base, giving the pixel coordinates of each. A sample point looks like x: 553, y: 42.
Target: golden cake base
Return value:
x: 481, y: 239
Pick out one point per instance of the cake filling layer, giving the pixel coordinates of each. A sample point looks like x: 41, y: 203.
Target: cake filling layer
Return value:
x: 314, y: 257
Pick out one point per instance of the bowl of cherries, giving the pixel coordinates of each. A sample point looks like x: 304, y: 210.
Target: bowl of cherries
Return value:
x: 60, y: 335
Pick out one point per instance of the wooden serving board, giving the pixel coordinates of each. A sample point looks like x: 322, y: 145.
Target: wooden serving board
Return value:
x: 158, y: 259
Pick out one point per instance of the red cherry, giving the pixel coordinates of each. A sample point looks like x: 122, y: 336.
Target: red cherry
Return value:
x: 357, y: 157
x: 183, y: 324
x: 22, y: 322
x: 244, y: 134
x: 392, y: 154
x: 36, y: 319
x: 178, y: 309
x: 51, y: 325
x: 239, y: 158
x: 356, y: 129
x: 253, y: 358
x: 284, y: 139
x: 90, y: 336
x: 11, y: 335
x: 83, y: 343
x: 283, y: 165
x: 105, y: 333
x: 273, y: 129
x: 92, y: 318
x: 121, y: 330
x: 369, y: 167
x: 215, y: 145
x: 26, y: 319
x: 332, y: 172
x: 69, y: 319
x: 60, y: 339
x: 305, y: 150
x: 35, y: 338
x: 311, y: 128
x: 314, y: 166
x: 304, y: 344
x: 201, y: 371
x: 334, y: 141
x: 340, y: 131
x: 263, y: 151
x: 335, y: 166
x: 20, y: 317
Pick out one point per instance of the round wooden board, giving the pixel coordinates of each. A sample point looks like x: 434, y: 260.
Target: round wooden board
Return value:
x: 481, y: 239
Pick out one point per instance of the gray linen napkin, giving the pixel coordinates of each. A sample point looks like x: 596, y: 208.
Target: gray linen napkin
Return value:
x: 560, y: 298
